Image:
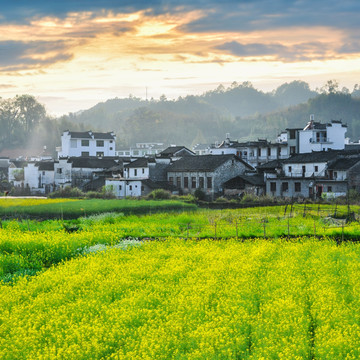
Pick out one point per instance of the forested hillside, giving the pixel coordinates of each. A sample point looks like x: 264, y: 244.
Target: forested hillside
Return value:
x: 241, y: 110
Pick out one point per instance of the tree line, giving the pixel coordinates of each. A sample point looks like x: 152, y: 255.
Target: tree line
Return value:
x: 241, y: 110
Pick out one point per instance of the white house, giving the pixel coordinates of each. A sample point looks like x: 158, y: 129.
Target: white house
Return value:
x: 88, y: 143
x: 316, y: 136
x: 39, y: 177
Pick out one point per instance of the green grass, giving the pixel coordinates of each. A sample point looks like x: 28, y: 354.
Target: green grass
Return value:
x: 73, y: 209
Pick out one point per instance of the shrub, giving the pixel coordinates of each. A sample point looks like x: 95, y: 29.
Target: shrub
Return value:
x: 105, y: 193
x: 200, y: 195
x: 67, y: 192
x: 159, y: 194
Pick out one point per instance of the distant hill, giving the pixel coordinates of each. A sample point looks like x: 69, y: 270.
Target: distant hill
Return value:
x: 241, y: 110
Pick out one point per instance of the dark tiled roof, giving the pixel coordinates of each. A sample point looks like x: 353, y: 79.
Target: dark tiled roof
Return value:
x: 315, y: 156
x: 203, y: 163
x: 239, y: 181
x: 92, y: 162
x: 344, y: 163
x: 104, y: 136
x: 173, y: 150
x: 91, y: 135
x: 45, y: 165
x: 271, y: 165
x: 138, y: 163
x: 80, y: 135
x: 19, y: 163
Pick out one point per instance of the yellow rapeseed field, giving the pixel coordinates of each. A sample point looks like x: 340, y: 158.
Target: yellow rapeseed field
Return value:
x: 179, y: 299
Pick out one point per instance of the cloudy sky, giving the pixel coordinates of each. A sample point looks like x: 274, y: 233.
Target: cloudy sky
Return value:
x: 71, y: 54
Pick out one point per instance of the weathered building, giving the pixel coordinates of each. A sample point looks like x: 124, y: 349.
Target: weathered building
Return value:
x: 205, y: 172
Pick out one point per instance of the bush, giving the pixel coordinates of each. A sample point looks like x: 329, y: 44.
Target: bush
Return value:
x: 105, y: 193
x: 200, y: 195
x: 159, y: 194
x: 67, y: 192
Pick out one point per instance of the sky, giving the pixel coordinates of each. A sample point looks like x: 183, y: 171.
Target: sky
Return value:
x: 73, y: 54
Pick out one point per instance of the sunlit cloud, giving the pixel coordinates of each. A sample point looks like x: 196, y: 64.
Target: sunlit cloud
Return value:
x: 95, y: 50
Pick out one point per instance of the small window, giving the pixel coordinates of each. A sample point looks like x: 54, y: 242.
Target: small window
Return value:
x: 209, y: 182
x: 135, y: 172
x: 84, y: 142
x: 269, y: 151
x: 316, y: 168
x: 201, y: 182
x: 111, y: 148
x: 193, y: 182
x: 273, y: 186
x: 120, y: 187
x: 290, y: 168
x: 178, y: 181
x: 99, y: 143
x: 43, y: 173
x: 329, y: 189
x: 297, y: 187
x: 186, y: 182
x: 59, y: 170
x: 85, y: 153
x: 143, y: 170
x: 99, y: 153
x: 292, y: 150
x: 171, y: 180
x: 285, y: 186
x: 130, y: 187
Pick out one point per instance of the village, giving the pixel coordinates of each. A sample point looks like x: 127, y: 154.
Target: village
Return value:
x: 311, y: 162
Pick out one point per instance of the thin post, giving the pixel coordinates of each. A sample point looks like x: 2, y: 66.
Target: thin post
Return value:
x: 237, y: 233
x: 342, y: 232
x: 264, y: 225
x: 187, y: 231
x: 215, y: 229
x: 288, y: 227
x: 304, y: 210
x: 314, y: 228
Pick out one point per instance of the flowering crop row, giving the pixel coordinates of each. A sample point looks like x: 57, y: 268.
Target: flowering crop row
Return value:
x: 182, y: 299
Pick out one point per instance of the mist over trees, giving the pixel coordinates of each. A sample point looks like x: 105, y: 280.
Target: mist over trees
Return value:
x: 240, y: 109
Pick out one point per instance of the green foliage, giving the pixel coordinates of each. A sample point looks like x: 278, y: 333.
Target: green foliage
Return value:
x: 67, y: 192
x: 159, y: 194
x: 200, y: 194
x: 106, y: 192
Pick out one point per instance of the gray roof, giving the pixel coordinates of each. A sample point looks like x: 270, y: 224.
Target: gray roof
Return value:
x: 203, y: 163
x: 138, y: 163
x: 239, y: 181
x: 344, y: 163
x: 270, y: 165
x: 315, y: 156
x: 45, y: 165
x: 173, y: 150
x: 92, y: 162
x: 91, y: 135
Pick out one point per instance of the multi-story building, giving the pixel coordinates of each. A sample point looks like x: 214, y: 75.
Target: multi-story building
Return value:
x: 316, y: 136
x: 87, y: 143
